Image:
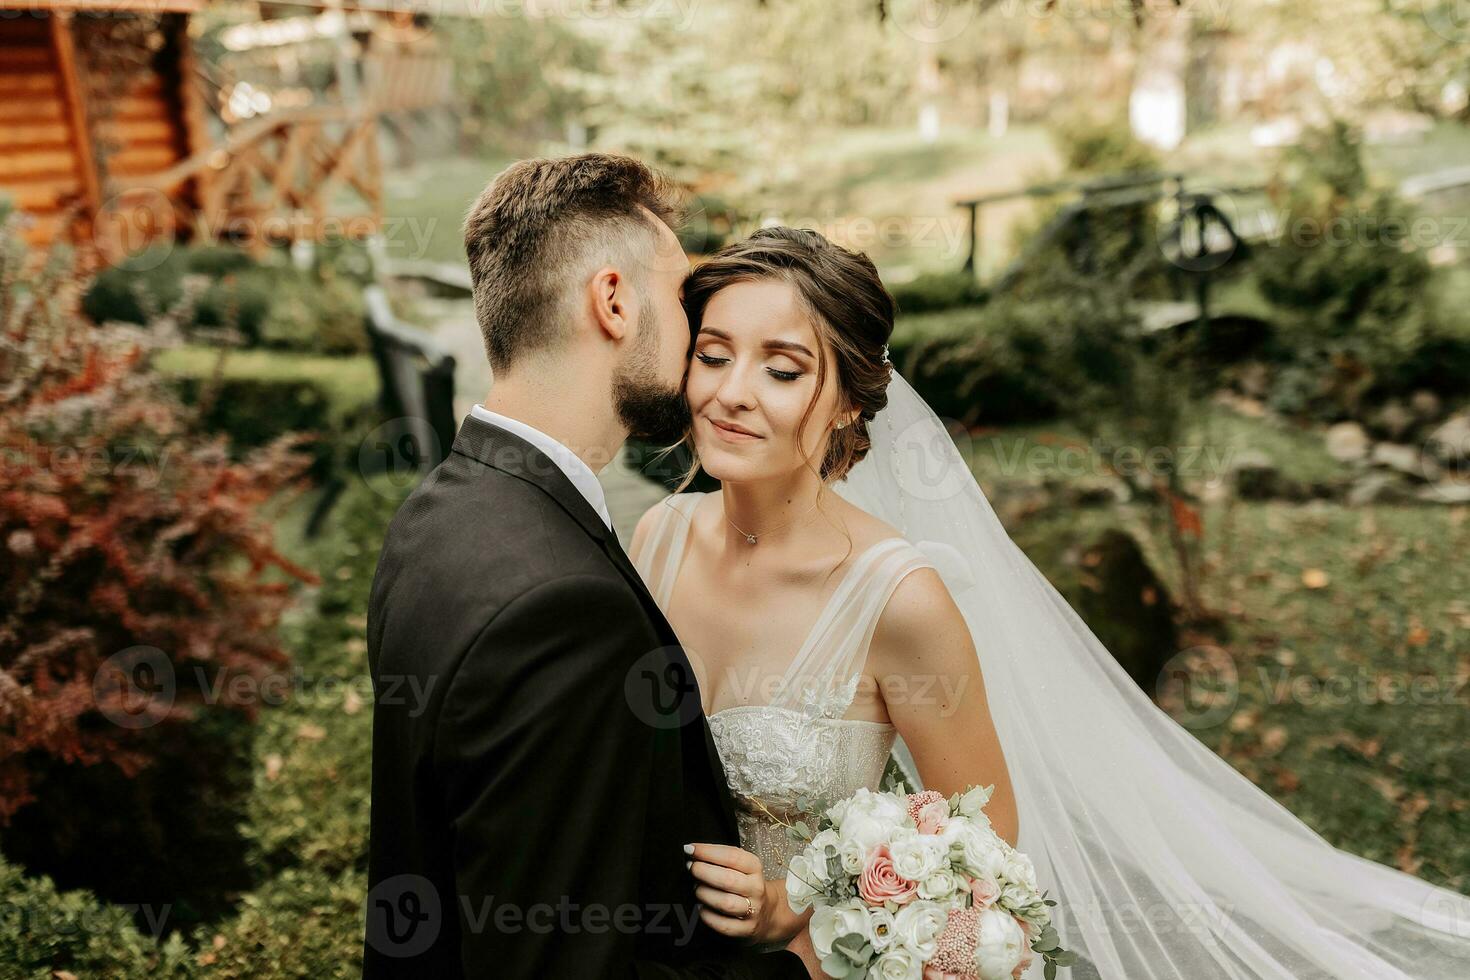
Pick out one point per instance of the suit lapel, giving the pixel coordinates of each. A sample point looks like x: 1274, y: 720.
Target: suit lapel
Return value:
x: 495, y: 447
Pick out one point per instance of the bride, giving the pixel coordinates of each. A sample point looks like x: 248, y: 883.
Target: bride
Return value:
x: 849, y: 591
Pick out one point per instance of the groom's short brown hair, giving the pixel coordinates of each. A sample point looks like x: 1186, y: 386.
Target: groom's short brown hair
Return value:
x: 537, y: 224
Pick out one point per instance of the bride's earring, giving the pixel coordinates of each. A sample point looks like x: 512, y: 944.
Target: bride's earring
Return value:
x: 840, y: 425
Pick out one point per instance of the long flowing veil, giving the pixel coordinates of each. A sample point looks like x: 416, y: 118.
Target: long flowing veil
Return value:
x: 1165, y: 862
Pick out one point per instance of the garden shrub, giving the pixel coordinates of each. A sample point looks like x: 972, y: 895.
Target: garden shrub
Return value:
x: 44, y: 931
x: 240, y: 300
x: 139, y: 601
x: 1095, y: 145
x: 273, y: 304
x: 1352, y: 299
x: 137, y: 289
x: 936, y: 291
x: 256, y: 396
x: 320, y: 317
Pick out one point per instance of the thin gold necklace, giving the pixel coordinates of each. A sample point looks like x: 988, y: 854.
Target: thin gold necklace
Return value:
x: 750, y: 538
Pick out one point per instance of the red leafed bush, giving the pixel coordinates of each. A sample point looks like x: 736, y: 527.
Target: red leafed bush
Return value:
x: 138, y: 579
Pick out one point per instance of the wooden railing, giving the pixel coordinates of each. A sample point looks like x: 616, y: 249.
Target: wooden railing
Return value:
x: 304, y: 174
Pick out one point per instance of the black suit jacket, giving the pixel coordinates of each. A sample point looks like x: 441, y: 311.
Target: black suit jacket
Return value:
x: 539, y: 753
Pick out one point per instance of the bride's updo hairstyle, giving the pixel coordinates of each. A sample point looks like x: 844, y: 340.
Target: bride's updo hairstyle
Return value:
x: 851, y: 313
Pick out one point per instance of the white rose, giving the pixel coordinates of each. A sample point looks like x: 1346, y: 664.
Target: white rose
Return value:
x: 954, y: 828
x: 898, y: 964
x: 999, y: 945
x: 918, y: 925
x: 883, y: 926
x: 1019, y: 869
x: 869, y: 818
x: 801, y: 883
x: 982, y: 852
x: 939, y: 886
x: 854, y: 856
x: 830, y: 923
x: 916, y: 856
x: 1016, y: 897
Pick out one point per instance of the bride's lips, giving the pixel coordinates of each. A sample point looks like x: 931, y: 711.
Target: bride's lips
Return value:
x: 731, y: 432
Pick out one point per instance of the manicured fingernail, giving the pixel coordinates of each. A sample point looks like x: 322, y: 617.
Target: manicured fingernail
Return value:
x: 689, y: 865
x: 688, y: 848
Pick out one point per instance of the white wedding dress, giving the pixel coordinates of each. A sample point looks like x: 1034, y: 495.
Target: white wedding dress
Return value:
x: 1165, y: 862
x: 800, y: 747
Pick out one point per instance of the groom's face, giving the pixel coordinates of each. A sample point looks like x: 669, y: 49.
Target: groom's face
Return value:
x: 648, y: 386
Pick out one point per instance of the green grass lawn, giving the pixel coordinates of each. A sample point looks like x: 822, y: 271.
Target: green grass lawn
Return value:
x: 346, y: 380
x: 1352, y: 696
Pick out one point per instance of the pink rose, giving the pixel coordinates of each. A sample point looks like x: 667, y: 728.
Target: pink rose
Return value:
x: 933, y: 817
x: 934, y: 973
x: 880, y: 883
x: 984, y: 892
x: 918, y: 802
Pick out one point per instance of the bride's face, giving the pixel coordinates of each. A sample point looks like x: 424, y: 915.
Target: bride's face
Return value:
x: 752, y: 377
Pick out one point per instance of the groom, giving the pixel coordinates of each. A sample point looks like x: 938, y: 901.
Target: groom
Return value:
x: 539, y: 755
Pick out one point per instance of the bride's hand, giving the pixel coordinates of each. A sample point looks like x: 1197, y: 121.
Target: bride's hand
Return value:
x: 737, y: 899
x: 801, y: 945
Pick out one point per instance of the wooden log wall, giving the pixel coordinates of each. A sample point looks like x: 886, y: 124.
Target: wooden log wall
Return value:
x: 73, y: 117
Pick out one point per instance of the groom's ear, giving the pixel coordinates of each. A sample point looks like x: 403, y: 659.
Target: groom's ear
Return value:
x: 613, y: 301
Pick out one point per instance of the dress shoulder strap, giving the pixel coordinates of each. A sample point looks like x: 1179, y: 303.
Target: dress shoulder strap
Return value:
x: 657, y: 558
x: 830, y: 663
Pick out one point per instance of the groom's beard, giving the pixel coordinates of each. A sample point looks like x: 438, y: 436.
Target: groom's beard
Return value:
x: 650, y: 411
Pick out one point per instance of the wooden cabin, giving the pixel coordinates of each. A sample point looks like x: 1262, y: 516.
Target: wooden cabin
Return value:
x: 90, y: 98
x: 107, y: 136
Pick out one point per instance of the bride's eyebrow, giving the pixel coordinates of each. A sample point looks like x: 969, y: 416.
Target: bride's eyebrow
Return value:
x: 783, y: 345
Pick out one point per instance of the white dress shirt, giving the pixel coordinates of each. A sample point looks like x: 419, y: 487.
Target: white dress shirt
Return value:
x: 577, y: 471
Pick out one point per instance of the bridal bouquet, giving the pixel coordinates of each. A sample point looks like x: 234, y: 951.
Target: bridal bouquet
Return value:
x: 910, y: 886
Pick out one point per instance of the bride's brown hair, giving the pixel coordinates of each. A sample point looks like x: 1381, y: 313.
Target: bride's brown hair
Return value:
x: 850, y: 310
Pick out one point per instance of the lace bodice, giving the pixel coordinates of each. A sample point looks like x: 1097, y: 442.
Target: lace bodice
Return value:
x: 799, y: 749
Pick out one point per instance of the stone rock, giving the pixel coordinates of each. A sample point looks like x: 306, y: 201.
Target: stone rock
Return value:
x: 1393, y: 420
x: 1425, y: 404
x: 1378, y: 487
x: 1445, y: 492
x: 1127, y: 606
x: 1450, y: 443
x: 1408, y: 460
x: 1347, y: 442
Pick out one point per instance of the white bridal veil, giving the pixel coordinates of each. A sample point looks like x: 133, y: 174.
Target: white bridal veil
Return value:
x: 1165, y: 862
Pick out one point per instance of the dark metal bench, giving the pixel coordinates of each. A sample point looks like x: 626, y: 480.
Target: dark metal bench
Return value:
x: 417, y: 392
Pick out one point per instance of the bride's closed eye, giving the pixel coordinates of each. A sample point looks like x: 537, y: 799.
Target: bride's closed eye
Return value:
x: 776, y: 373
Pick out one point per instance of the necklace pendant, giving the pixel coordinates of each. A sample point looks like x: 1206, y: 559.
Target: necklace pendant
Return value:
x: 750, y: 538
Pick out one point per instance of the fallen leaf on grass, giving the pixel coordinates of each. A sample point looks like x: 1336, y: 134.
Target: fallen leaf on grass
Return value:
x: 1315, y: 578
x: 1274, y: 739
x: 311, y: 732
x: 1287, y: 781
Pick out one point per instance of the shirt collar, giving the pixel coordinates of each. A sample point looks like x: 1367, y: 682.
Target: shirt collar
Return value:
x: 577, y: 471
